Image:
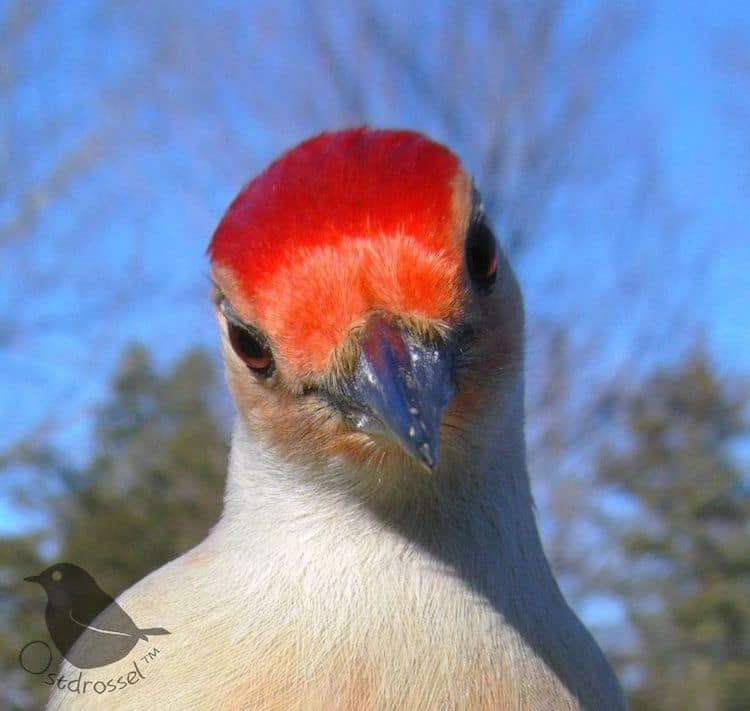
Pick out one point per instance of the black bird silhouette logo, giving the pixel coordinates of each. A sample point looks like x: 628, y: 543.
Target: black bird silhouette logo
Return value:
x: 88, y: 627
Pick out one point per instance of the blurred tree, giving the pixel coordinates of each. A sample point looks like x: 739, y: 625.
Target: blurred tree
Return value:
x: 26, y: 191
x: 21, y: 622
x: 150, y: 490
x: 155, y: 481
x: 685, y: 576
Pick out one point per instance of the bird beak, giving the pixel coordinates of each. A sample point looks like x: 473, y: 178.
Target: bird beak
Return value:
x: 400, y: 389
x: 34, y: 579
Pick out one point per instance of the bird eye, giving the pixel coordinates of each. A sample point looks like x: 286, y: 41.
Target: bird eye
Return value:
x: 56, y: 575
x: 481, y: 255
x: 251, y: 349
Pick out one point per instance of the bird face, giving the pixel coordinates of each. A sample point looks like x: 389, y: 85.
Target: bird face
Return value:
x: 369, y: 319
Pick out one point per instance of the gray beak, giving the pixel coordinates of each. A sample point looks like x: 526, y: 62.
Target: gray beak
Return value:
x: 402, y: 386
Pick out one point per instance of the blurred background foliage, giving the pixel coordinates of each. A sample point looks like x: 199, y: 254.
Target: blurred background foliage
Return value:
x: 128, y: 127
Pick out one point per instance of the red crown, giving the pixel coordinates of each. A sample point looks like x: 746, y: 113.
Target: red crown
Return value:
x: 345, y: 223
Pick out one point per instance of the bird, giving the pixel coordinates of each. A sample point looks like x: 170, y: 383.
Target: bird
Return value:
x: 378, y: 547
x: 74, y: 602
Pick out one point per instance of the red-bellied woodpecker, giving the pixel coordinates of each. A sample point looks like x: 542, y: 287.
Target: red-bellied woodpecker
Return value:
x: 378, y: 548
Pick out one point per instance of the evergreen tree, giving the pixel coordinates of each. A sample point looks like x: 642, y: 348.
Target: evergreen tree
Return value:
x: 686, y: 578
x: 154, y: 484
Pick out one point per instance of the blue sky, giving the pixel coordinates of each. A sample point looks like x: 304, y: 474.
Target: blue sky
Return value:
x: 705, y: 151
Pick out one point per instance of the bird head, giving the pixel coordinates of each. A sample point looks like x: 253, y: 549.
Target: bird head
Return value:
x: 370, y: 321
x: 64, y: 583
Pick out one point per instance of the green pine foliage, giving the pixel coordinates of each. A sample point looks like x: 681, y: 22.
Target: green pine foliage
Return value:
x: 154, y: 485
x: 685, y: 579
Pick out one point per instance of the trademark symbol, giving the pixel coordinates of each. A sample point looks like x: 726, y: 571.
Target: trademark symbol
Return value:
x: 150, y: 655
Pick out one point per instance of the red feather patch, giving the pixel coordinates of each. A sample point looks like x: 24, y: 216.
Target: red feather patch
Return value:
x: 343, y: 224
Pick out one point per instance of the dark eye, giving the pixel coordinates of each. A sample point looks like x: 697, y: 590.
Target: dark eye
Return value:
x: 481, y: 255
x: 251, y: 349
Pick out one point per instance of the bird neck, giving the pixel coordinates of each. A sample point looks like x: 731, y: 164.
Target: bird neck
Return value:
x: 476, y: 516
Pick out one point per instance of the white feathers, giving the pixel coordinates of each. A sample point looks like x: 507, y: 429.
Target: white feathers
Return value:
x: 303, y: 597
